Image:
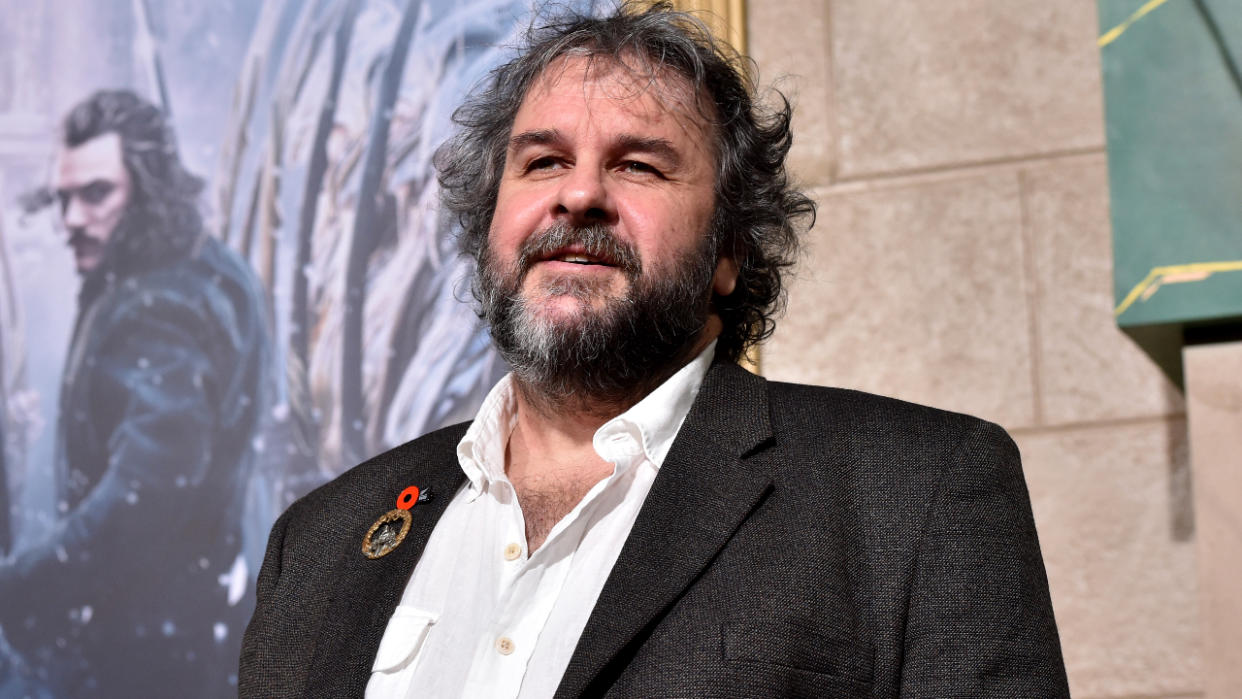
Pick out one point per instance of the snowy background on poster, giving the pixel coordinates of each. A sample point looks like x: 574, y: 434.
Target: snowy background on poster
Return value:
x: 373, y: 340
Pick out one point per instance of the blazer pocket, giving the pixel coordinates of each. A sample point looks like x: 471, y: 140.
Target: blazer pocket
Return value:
x: 825, y: 651
x: 407, y: 629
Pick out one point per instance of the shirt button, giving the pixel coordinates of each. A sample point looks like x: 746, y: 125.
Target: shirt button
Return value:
x: 504, y: 645
x: 512, y: 551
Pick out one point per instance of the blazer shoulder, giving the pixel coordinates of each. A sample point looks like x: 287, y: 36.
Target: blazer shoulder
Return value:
x: 361, y: 479
x: 815, y: 408
x: 884, y: 444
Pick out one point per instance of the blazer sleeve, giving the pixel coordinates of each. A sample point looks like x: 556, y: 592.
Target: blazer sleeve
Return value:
x: 153, y: 380
x: 980, y: 620
x: 261, y: 652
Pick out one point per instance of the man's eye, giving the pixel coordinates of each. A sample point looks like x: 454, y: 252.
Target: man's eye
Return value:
x: 96, y: 192
x: 638, y: 167
x: 545, y: 163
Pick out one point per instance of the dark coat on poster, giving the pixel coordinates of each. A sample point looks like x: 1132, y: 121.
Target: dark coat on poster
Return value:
x: 797, y: 542
x: 126, y: 593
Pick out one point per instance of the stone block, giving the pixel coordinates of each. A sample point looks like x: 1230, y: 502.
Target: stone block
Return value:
x: 927, y: 84
x: 1113, y: 509
x: 1088, y: 368
x: 1214, y: 403
x: 915, y: 291
x: 789, y: 42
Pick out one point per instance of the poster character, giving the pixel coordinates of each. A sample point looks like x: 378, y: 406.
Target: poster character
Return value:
x: 138, y: 588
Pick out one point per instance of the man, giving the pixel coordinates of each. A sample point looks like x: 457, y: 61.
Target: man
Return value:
x: 137, y: 589
x: 631, y: 514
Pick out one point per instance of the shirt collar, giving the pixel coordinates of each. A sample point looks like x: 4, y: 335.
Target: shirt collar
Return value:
x: 657, y: 418
x: 481, y: 452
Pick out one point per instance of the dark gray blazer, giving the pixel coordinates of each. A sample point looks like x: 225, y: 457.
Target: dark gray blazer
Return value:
x: 798, y: 542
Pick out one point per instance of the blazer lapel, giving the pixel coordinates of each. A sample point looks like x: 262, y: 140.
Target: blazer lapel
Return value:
x: 702, y: 494
x: 368, y: 590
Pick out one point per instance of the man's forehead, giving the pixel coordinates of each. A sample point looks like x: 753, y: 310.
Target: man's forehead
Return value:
x: 624, y: 79
x: 99, y: 158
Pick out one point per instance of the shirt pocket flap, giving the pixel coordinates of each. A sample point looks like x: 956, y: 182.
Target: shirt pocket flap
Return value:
x: 407, y: 629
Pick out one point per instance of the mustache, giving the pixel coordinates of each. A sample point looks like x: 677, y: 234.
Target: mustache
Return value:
x: 78, y: 237
x: 597, y: 240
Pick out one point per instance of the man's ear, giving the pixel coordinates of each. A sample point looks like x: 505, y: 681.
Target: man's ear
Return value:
x: 725, y: 279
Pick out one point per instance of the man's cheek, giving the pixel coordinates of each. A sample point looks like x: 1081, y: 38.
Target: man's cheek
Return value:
x: 109, y: 221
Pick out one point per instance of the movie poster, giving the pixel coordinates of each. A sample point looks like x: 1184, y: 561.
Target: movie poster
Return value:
x: 224, y: 280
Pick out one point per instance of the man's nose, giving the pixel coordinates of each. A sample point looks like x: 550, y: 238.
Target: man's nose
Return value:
x: 75, y: 213
x: 584, y: 197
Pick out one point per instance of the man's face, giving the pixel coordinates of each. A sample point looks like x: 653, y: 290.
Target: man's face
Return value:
x: 94, y: 188
x: 600, y: 145
x: 598, y: 250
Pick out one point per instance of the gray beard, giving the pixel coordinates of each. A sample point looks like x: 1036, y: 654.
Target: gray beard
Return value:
x: 604, y: 359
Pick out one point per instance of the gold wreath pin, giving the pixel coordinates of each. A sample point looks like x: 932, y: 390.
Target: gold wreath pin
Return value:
x: 390, y: 529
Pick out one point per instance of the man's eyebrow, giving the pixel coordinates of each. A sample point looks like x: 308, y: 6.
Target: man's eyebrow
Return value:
x: 659, y: 147
x: 95, y: 183
x: 536, y: 137
x: 625, y: 143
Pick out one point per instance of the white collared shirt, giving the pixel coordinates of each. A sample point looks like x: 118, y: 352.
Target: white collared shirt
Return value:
x: 480, y: 616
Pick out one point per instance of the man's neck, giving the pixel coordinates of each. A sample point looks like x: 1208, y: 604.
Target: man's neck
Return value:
x: 553, y: 444
x: 550, y: 457
x: 552, y: 463
x: 555, y: 426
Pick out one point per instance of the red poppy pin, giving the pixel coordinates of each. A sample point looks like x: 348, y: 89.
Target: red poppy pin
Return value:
x: 390, y: 529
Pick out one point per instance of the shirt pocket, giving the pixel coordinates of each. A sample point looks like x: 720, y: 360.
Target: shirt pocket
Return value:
x: 404, y: 637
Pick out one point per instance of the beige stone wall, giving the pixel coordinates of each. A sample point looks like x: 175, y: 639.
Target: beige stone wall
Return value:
x: 962, y: 259
x: 1214, y: 390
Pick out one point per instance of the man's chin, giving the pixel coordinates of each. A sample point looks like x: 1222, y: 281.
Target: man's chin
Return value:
x: 86, y: 265
x: 595, y: 288
x: 564, y: 308
x: 86, y: 255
